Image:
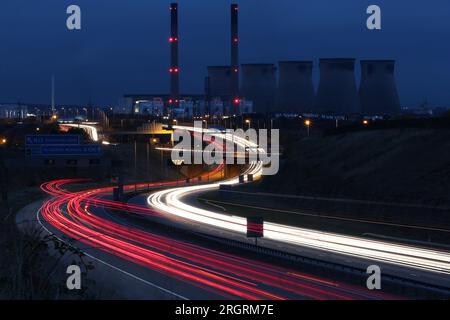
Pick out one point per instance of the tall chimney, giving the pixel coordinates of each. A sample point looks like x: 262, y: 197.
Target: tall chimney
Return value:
x: 174, y: 67
x: 235, y: 54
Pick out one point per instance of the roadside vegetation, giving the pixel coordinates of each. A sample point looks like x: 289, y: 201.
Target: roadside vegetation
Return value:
x: 31, y: 262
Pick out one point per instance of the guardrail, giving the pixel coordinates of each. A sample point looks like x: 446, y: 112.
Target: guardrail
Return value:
x: 396, y: 283
x: 441, y: 292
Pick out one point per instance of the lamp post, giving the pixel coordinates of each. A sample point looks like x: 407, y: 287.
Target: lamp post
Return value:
x: 308, y: 125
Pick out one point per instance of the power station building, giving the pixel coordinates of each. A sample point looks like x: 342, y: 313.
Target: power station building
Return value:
x: 337, y: 92
x: 220, y: 82
x: 258, y: 85
x: 295, y: 92
x: 378, y: 91
x: 233, y: 88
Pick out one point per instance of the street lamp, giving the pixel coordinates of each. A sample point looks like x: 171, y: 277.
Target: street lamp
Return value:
x: 365, y: 122
x: 248, y: 122
x: 308, y: 125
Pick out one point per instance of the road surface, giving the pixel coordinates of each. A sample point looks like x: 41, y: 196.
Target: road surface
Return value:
x: 172, y: 202
x: 172, y: 264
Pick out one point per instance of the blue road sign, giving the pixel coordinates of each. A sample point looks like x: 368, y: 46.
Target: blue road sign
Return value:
x: 52, y: 139
x: 67, y: 150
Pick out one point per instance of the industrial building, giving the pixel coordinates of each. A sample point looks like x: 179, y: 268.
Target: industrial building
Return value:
x: 337, y: 93
x: 156, y: 104
x: 233, y: 88
x: 295, y: 92
x: 259, y: 85
x: 220, y: 82
x: 221, y: 94
x: 13, y: 111
x: 378, y: 91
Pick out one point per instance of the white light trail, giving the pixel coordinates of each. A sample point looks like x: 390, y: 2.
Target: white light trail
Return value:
x: 91, y: 130
x: 170, y: 202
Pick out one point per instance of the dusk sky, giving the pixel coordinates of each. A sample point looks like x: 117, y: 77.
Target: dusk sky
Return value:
x: 123, y: 45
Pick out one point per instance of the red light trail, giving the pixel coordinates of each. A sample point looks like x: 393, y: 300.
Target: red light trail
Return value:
x: 227, y: 275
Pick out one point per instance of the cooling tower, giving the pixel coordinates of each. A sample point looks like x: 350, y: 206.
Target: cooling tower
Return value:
x: 295, y: 86
x: 220, y: 81
x: 173, y: 40
x: 337, y: 93
x: 378, y: 91
x: 258, y: 85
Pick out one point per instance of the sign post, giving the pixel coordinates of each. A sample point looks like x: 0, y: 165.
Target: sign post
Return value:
x: 255, y: 228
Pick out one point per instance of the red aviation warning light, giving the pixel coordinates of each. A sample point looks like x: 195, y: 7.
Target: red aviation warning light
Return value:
x: 174, y: 70
x: 237, y: 101
x: 173, y: 39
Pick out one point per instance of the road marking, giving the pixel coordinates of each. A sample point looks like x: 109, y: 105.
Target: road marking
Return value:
x: 215, y: 205
x: 381, y: 203
x: 330, y: 217
x: 110, y: 265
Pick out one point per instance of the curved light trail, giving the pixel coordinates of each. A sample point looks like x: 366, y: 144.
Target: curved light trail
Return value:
x: 171, y: 202
x: 90, y: 129
x: 227, y: 275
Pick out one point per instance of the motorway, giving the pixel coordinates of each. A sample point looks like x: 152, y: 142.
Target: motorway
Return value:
x: 184, y: 267
x: 172, y: 202
x: 181, y: 267
x: 90, y: 129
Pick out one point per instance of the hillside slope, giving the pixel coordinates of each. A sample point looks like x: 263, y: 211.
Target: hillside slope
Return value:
x: 398, y: 165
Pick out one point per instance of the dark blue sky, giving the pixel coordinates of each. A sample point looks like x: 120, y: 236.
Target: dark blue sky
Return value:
x: 123, y: 46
